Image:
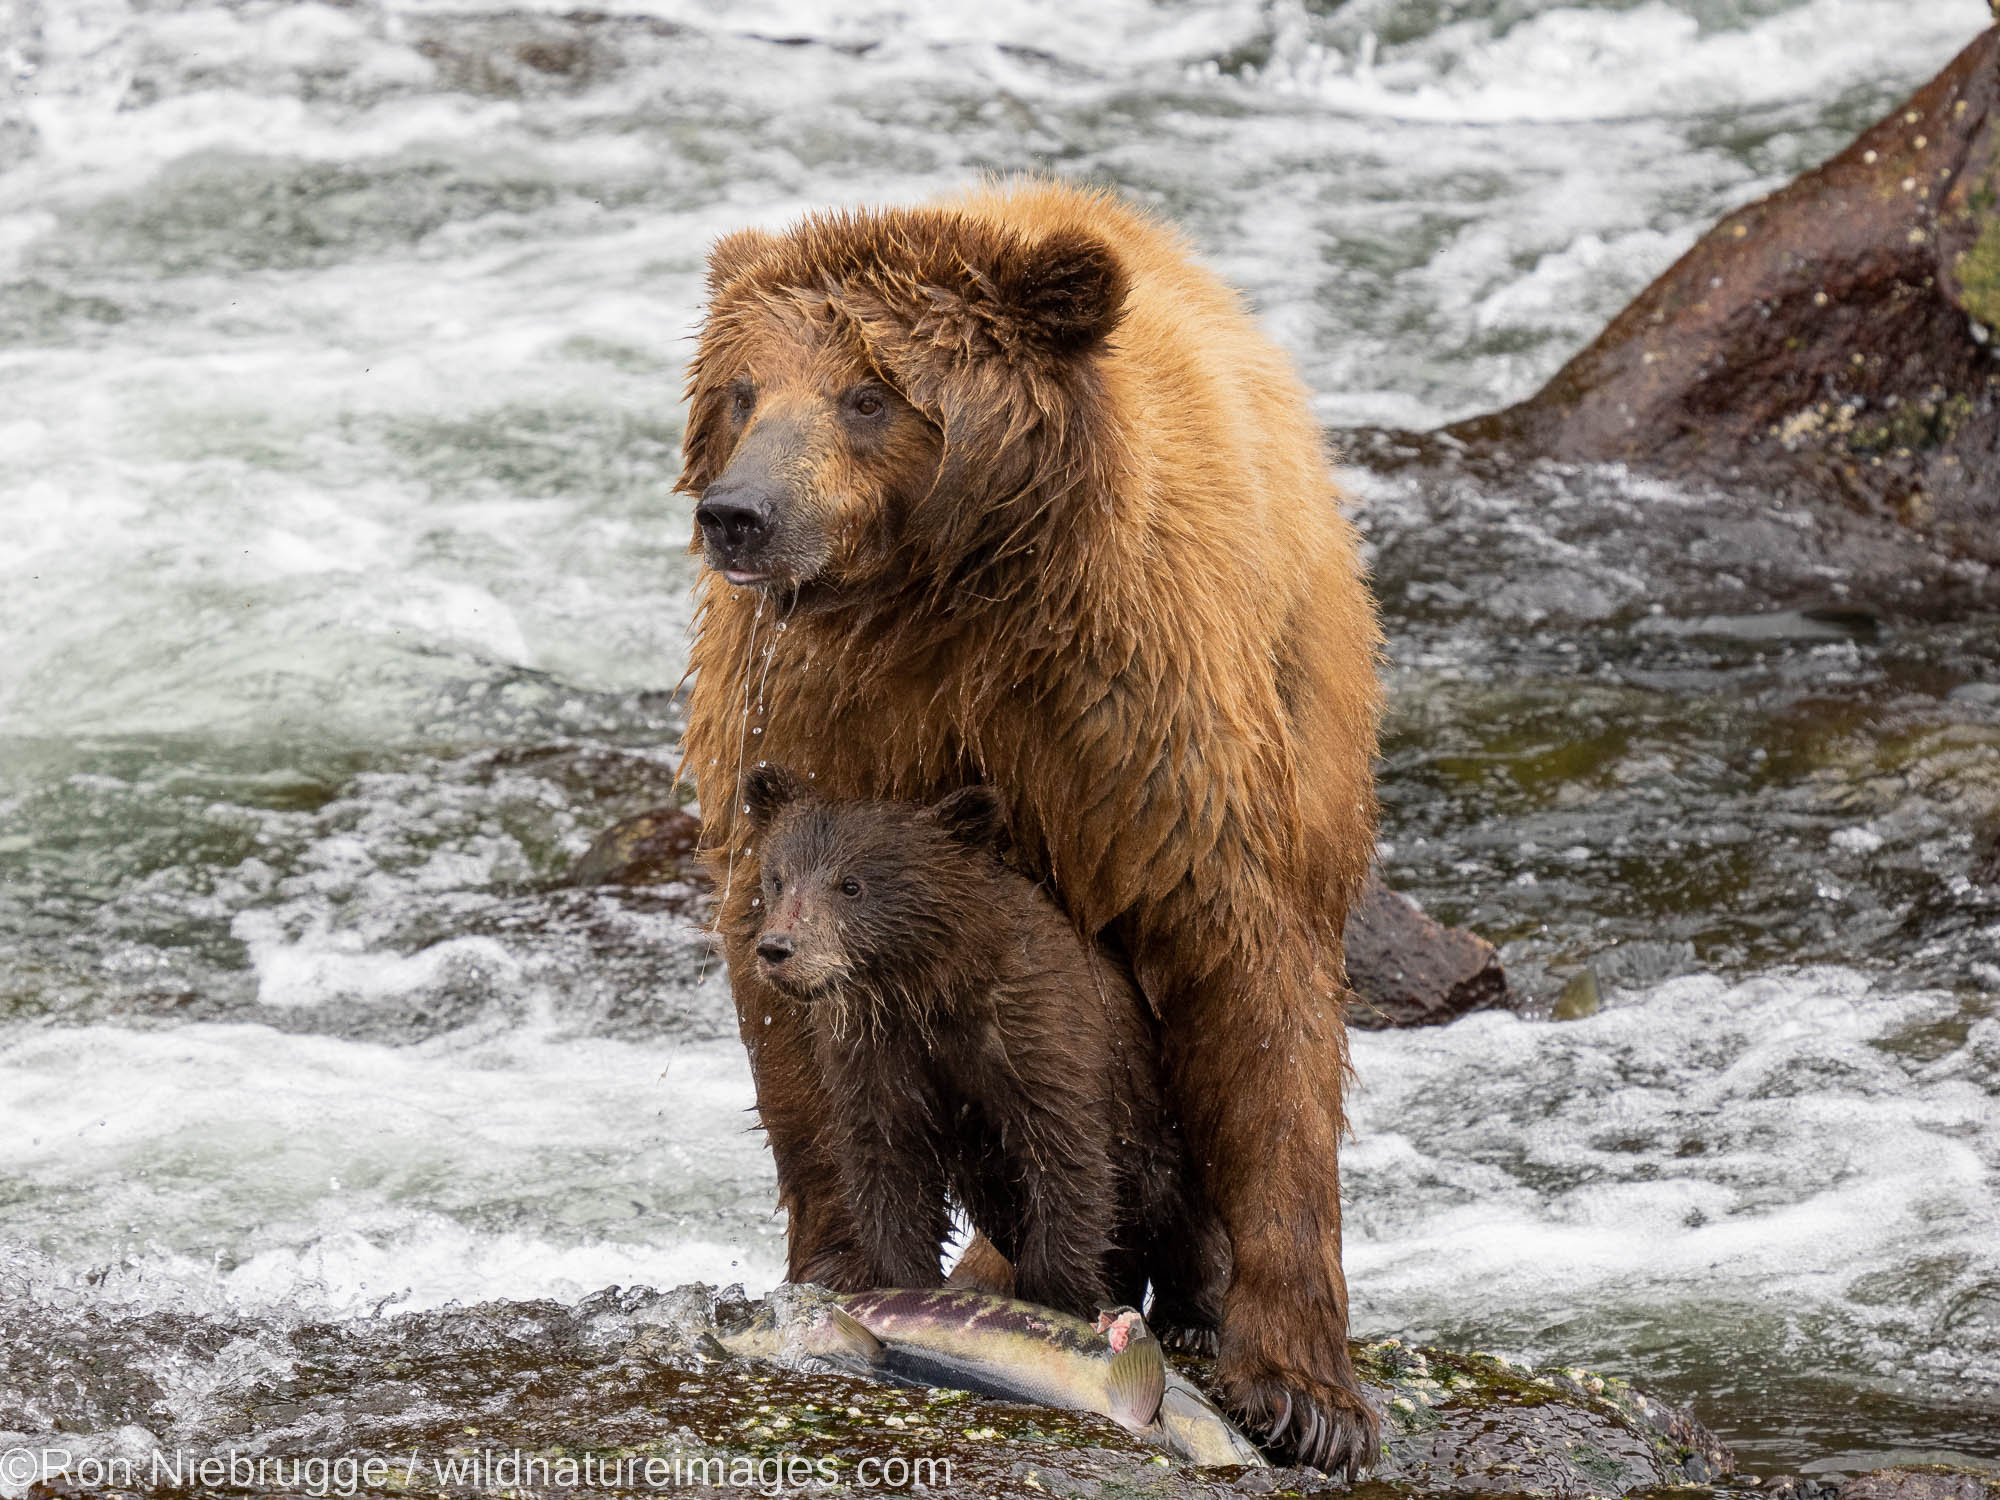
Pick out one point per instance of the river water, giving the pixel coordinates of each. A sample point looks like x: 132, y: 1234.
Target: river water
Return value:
x: 343, y: 600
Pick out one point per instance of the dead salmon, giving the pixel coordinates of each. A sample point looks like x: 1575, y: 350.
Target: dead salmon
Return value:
x: 996, y: 1346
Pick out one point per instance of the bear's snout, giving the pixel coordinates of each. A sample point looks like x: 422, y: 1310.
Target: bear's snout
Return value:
x: 736, y: 522
x: 774, y: 948
x: 747, y: 514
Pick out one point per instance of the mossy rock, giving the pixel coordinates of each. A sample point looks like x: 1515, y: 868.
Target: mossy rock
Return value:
x: 1474, y: 1423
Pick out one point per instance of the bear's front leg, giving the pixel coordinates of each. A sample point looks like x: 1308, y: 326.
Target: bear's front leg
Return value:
x: 891, y: 1160
x: 1257, y: 1060
x: 821, y: 1241
x: 1065, y: 1204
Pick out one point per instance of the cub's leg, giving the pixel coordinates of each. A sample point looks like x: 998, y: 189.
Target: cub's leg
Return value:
x: 891, y: 1168
x: 1050, y: 1203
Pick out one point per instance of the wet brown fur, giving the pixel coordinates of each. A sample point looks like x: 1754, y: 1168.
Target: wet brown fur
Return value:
x: 1095, y: 561
x: 975, y: 1050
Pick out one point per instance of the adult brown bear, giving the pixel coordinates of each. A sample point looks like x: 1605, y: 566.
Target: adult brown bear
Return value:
x: 1007, y: 489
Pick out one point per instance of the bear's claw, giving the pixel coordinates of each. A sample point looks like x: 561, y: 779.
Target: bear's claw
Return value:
x: 1326, y: 1428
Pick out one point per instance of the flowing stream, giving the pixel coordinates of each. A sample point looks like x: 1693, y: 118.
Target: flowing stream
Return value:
x: 343, y: 599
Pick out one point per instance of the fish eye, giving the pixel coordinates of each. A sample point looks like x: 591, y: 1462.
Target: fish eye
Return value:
x: 850, y: 887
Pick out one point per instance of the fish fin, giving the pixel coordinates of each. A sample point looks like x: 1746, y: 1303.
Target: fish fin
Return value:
x: 839, y: 1339
x: 1136, y: 1379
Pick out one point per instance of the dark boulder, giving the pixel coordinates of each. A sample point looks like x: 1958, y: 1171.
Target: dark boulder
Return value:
x: 1837, y: 342
x: 1408, y: 969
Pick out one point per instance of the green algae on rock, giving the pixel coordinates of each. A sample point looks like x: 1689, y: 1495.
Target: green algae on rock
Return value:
x: 1474, y: 1423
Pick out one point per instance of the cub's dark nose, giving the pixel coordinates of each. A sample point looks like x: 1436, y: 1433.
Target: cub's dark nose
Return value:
x: 733, y: 520
x: 775, y: 949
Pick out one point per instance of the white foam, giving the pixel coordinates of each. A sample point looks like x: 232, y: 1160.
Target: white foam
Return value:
x: 1700, y: 1147
x: 238, y: 1166
x: 1575, y: 64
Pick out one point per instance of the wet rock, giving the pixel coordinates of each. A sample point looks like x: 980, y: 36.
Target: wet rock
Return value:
x: 1407, y: 969
x: 1924, y: 1482
x: 1835, y: 339
x: 626, y: 1392
x: 1820, y: 378
x: 1832, y: 346
x: 1475, y: 1424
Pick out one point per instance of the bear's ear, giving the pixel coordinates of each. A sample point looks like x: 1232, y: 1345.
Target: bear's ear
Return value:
x: 1066, y: 290
x: 734, y: 254
x: 975, y: 816
x: 767, y: 791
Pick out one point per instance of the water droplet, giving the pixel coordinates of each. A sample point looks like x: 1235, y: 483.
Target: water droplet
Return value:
x: 767, y: 1020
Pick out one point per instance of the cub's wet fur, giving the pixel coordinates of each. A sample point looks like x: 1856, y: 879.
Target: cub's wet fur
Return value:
x: 975, y: 1050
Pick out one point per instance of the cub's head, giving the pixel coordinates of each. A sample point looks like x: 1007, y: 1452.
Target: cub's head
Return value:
x: 873, y: 387
x: 886, y: 898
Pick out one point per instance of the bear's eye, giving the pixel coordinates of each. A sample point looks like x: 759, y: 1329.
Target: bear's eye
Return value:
x: 850, y: 887
x: 777, y: 886
x: 742, y: 396
x: 868, y: 403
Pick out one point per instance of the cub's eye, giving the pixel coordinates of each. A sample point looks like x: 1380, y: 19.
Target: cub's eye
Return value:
x: 869, y: 403
x: 777, y: 886
x: 741, y: 399
x: 850, y: 887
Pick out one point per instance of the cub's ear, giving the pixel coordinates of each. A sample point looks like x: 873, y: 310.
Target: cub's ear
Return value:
x: 767, y: 791
x: 975, y: 816
x: 734, y: 254
x: 1066, y: 290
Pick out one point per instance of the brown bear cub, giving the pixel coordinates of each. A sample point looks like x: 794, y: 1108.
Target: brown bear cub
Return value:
x: 976, y: 1051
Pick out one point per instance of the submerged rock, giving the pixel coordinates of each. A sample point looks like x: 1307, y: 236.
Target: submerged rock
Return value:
x: 655, y: 847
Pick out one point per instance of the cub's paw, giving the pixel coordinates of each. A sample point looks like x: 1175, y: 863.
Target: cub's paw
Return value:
x: 1316, y: 1423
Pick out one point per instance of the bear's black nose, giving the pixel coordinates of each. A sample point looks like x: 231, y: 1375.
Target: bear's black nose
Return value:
x: 775, y: 948
x: 731, y: 520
